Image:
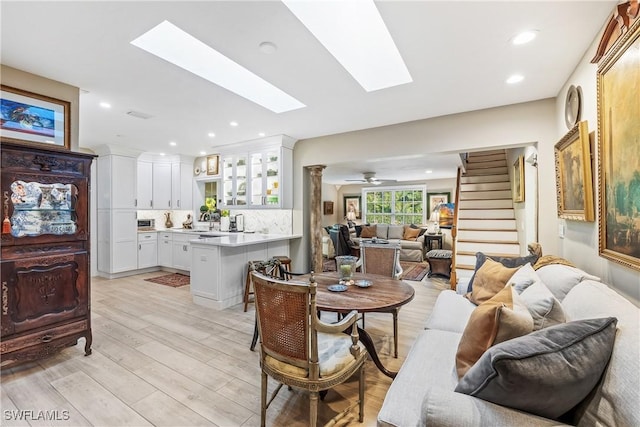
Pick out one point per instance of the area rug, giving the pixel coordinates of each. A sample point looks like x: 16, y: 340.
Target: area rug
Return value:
x: 414, y: 271
x: 175, y: 280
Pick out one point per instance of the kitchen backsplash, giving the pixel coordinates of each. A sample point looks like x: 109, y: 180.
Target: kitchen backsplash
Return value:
x: 273, y: 221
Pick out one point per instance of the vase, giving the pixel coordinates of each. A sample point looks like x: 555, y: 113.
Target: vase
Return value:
x: 346, y: 266
x: 224, y: 223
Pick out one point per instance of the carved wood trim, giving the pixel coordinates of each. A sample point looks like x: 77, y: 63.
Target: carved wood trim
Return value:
x: 624, y: 15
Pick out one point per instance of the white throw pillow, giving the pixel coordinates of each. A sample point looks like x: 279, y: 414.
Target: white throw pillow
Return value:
x: 382, y: 231
x: 396, y: 232
x: 545, y: 309
x: 523, y: 278
x: 560, y: 279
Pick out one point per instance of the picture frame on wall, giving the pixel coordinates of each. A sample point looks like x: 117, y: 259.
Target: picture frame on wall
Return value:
x: 435, y: 199
x: 33, y: 119
x: 352, y: 204
x: 618, y: 150
x: 574, y: 182
x: 213, y: 165
x: 327, y: 208
x: 518, y: 180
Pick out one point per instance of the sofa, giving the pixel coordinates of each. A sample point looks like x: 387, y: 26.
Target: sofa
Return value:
x: 424, y: 391
x: 411, y: 238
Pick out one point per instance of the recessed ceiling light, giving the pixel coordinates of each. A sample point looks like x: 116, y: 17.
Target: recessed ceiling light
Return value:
x: 428, y: 171
x: 202, y: 153
x: 234, y: 123
x: 172, y: 44
x: 355, y: 34
x: 268, y: 47
x: 261, y: 134
x: 524, y: 37
x: 516, y: 78
x: 173, y: 144
x: 211, y: 135
x: 162, y: 154
x: 105, y: 105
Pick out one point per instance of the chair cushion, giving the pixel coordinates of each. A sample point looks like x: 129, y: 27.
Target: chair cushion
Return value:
x: 439, y: 253
x: 501, y: 318
x: 490, y: 279
x: 547, y: 372
x: 334, y: 355
x: 368, y: 231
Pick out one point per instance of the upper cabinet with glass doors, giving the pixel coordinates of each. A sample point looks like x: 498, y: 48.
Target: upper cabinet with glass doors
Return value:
x: 262, y: 177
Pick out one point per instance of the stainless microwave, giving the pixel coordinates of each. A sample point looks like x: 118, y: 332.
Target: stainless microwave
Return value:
x: 146, y: 223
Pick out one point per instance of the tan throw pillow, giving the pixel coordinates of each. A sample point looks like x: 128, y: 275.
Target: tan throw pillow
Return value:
x: 490, y: 278
x: 410, y: 233
x: 368, y: 231
x: 499, y: 319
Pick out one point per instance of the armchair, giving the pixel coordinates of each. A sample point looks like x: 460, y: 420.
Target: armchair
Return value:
x: 298, y: 349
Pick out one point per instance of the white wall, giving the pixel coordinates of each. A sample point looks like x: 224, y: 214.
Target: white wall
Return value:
x: 580, y: 244
x: 505, y: 127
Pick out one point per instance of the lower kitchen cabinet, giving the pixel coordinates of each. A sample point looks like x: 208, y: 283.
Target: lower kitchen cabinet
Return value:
x: 182, y: 251
x: 165, y: 249
x: 147, y: 250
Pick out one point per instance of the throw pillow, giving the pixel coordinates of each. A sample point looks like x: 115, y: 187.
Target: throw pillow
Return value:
x: 560, y: 279
x: 382, y: 231
x: 523, y: 278
x: 422, y: 229
x: 501, y: 318
x: 410, y: 233
x: 368, y: 231
x: 358, y: 230
x: 547, y: 372
x: 491, y: 277
x: 545, y: 309
x: 395, y: 232
x: 506, y: 261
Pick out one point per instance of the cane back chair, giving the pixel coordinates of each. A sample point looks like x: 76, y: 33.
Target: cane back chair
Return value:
x: 301, y: 351
x: 383, y: 259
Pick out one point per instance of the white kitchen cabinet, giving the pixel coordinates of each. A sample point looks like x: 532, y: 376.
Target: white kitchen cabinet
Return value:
x: 162, y: 186
x: 116, y: 182
x: 147, y: 250
x: 144, y: 185
x: 165, y: 249
x: 117, y: 241
x: 267, y: 168
x: 182, y: 251
x: 181, y: 186
x: 234, y: 182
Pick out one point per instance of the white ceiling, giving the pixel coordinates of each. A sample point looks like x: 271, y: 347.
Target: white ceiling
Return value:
x: 458, y: 54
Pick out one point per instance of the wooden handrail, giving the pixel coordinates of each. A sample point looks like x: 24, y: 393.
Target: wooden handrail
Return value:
x: 454, y: 232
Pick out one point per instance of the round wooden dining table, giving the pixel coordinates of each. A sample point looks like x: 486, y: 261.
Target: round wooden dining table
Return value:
x: 384, y: 295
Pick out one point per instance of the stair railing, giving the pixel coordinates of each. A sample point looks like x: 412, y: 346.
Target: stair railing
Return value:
x: 454, y: 231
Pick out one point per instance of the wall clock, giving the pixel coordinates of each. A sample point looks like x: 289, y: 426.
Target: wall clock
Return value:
x: 573, y: 106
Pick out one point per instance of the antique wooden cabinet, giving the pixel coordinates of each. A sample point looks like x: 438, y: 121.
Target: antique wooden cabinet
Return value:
x: 45, y: 251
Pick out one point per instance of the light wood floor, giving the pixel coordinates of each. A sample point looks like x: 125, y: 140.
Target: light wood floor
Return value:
x: 158, y: 359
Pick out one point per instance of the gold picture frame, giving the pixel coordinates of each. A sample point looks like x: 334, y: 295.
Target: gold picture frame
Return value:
x: 518, y: 180
x: 213, y: 165
x: 618, y: 151
x: 574, y: 180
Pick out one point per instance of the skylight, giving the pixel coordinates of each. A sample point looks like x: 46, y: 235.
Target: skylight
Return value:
x: 182, y: 49
x: 355, y: 34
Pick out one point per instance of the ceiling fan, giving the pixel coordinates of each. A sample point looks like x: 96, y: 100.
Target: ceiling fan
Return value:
x: 370, y: 178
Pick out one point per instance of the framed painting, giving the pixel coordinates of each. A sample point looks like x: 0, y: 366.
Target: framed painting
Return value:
x: 327, y: 208
x: 30, y: 118
x: 619, y: 151
x: 213, y: 165
x: 352, y: 205
x: 446, y: 212
x: 573, y: 175
x: 518, y: 180
x: 435, y: 199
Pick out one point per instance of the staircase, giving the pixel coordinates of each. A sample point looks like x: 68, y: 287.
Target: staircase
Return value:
x: 486, y: 219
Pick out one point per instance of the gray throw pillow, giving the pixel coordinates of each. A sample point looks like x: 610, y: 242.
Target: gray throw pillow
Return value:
x: 509, y: 262
x: 547, y: 372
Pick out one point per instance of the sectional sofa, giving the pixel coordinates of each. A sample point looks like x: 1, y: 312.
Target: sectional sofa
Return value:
x: 548, y: 377
x: 411, y: 238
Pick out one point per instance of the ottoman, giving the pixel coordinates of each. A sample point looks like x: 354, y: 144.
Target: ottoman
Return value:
x: 439, y: 262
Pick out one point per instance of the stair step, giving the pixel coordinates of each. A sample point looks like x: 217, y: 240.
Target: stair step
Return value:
x: 512, y: 248
x: 484, y: 178
x: 487, y: 171
x: 486, y: 204
x: 488, y: 235
x: 487, y: 164
x: 485, y: 186
x: 493, y: 254
x: 465, y: 267
x: 486, y: 224
x: 477, y: 154
x: 474, y: 213
x: 486, y: 158
x: 490, y: 194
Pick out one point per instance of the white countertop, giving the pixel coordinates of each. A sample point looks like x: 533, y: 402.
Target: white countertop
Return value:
x: 241, y: 239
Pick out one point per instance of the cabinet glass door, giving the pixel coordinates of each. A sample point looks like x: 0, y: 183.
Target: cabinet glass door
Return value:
x: 272, y: 184
x: 234, y: 170
x: 241, y: 180
x: 257, y: 179
x: 40, y: 209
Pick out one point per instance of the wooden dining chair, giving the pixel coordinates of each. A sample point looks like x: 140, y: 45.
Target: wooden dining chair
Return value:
x: 301, y: 351
x: 383, y: 260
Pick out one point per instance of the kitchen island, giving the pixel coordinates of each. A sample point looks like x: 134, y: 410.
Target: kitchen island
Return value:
x: 219, y: 264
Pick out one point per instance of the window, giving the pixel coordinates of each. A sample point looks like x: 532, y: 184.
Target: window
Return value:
x: 401, y: 205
